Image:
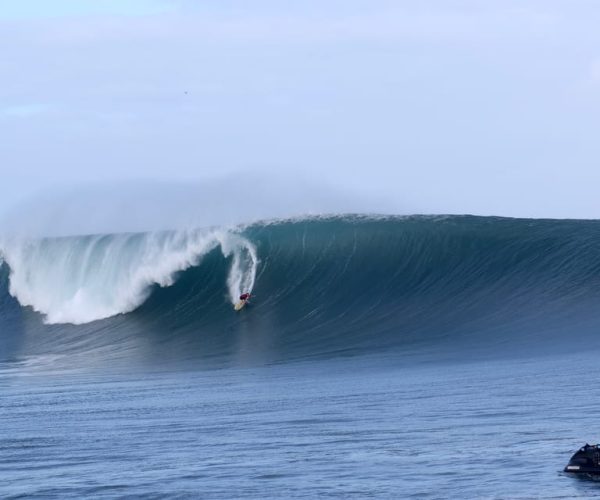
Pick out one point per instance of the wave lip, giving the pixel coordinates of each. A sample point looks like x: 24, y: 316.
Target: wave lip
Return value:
x: 82, y: 279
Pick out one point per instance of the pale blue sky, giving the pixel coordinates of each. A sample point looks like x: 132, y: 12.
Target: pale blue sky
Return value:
x: 439, y: 106
x: 40, y: 9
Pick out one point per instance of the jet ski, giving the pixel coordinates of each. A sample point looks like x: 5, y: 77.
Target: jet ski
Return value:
x: 585, y: 461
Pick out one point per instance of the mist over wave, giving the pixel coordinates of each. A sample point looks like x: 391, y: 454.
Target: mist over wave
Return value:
x: 145, y: 205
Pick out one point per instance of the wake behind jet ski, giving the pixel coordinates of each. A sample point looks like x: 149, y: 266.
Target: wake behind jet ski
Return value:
x: 586, y: 461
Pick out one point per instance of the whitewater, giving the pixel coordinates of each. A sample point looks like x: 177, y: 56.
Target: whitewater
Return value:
x: 82, y: 279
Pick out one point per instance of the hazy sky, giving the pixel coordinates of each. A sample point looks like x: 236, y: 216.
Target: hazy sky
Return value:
x: 489, y: 107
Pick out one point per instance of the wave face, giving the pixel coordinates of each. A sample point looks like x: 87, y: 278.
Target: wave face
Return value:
x: 321, y: 287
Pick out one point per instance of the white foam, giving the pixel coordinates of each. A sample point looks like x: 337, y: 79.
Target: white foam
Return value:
x: 82, y: 279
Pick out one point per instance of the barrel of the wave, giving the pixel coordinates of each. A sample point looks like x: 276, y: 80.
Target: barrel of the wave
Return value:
x: 244, y: 298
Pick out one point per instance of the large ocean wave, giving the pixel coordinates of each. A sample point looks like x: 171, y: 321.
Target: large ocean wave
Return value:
x: 323, y: 285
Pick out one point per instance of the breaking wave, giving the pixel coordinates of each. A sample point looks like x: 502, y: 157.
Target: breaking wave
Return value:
x: 321, y: 286
x: 82, y: 279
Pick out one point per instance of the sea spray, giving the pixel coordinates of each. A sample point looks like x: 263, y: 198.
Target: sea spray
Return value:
x: 82, y: 279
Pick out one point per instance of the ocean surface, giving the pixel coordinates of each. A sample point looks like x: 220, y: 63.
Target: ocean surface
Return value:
x: 380, y: 357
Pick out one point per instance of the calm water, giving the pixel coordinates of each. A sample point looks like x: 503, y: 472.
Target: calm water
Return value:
x: 363, y: 427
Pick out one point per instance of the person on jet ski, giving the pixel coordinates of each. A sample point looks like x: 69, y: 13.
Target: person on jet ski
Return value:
x: 245, y: 296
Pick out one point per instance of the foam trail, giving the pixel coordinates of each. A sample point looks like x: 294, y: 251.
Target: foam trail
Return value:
x: 82, y: 279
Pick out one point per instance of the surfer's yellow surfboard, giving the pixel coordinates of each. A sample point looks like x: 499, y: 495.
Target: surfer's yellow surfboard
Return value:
x: 240, y: 305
